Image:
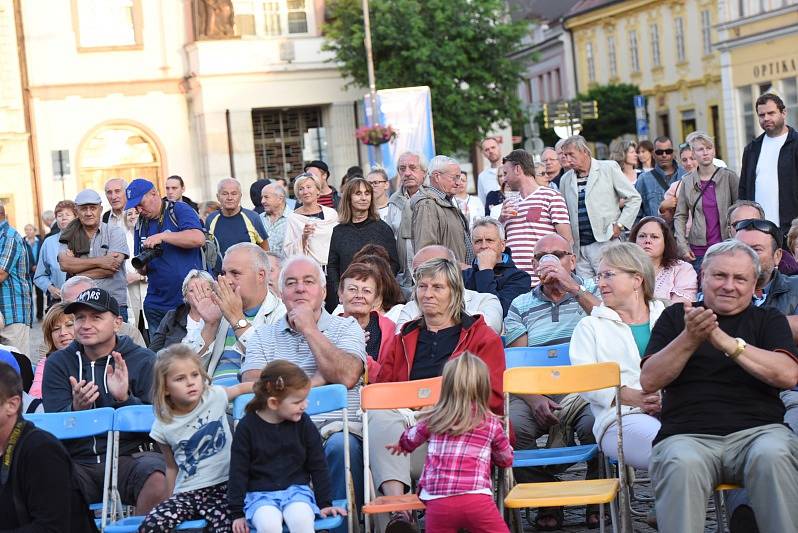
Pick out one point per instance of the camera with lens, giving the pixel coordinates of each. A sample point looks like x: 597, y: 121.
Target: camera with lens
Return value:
x: 146, y: 255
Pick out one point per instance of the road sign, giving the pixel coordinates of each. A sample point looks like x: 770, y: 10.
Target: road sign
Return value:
x: 60, y: 164
x: 641, y: 118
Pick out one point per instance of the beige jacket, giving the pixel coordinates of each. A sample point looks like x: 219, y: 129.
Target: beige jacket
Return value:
x: 606, y: 186
x: 438, y: 221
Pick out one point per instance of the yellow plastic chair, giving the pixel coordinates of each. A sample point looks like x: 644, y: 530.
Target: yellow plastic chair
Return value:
x: 564, y: 380
x: 402, y: 395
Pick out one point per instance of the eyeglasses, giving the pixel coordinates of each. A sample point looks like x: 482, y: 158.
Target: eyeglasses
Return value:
x: 668, y: 151
x: 765, y: 226
x: 684, y: 146
x: 608, y: 275
x: 354, y: 290
x: 559, y: 254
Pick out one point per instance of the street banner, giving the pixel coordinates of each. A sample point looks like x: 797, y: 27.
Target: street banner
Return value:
x: 408, y: 111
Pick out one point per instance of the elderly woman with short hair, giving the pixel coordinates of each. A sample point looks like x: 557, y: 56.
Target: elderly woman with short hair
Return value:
x: 309, y: 227
x: 48, y: 276
x: 178, y: 323
x: 359, y: 292
x: 706, y: 195
x: 624, y: 152
x: 420, y: 350
x: 618, y: 331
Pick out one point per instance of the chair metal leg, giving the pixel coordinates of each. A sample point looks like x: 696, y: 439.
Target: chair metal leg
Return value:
x: 601, y: 518
x: 517, y: 521
x: 720, y: 511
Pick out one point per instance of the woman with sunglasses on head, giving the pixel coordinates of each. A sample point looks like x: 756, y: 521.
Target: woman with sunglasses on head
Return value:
x: 705, y: 196
x: 668, y: 206
x: 618, y: 331
x: 675, y: 280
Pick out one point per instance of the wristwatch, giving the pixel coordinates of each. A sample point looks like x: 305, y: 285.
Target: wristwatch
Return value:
x: 741, y: 344
x: 582, y: 290
x: 240, y: 324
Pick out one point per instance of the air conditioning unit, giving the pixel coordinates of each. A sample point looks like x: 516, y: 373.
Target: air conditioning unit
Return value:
x: 287, y: 51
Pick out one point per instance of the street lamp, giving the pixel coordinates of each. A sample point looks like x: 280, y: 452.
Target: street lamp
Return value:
x: 370, y: 63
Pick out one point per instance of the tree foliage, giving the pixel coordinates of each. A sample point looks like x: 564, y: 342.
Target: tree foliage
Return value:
x: 615, y: 109
x: 456, y: 47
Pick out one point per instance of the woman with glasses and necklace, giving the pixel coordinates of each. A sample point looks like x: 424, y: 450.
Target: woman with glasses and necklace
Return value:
x: 706, y: 195
x: 618, y: 331
x: 675, y: 280
x: 359, y: 224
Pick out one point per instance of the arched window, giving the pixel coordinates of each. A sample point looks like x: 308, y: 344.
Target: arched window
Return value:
x: 118, y: 151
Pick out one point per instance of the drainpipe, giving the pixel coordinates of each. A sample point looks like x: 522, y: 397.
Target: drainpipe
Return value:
x: 26, y: 107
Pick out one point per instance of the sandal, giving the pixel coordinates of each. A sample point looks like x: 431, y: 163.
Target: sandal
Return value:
x: 549, y: 513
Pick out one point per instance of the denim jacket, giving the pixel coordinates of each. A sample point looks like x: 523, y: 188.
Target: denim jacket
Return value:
x: 652, y: 192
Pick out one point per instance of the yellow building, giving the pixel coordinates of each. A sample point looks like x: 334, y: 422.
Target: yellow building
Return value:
x: 758, y: 46
x: 665, y: 47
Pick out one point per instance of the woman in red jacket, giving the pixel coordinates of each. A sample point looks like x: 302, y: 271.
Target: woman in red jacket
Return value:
x: 419, y: 351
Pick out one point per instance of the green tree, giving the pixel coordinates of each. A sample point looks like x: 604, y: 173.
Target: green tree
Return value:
x: 456, y: 47
x: 615, y: 110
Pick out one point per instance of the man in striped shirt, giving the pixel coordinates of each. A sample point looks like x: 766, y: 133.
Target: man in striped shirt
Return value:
x: 534, y: 212
x: 545, y: 316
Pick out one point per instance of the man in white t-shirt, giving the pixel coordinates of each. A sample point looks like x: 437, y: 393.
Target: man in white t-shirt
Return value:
x: 770, y: 164
x: 487, y: 180
x: 534, y: 213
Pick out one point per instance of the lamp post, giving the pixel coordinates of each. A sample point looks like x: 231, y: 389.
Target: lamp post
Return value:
x: 370, y: 63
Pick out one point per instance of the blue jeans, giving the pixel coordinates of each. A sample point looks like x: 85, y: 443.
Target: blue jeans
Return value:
x: 334, y: 453
x: 154, y: 317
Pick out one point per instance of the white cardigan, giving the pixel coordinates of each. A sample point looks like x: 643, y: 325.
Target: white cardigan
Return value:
x: 318, y: 246
x: 600, y: 338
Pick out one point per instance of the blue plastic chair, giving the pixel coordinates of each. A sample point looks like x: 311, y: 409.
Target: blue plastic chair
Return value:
x: 133, y: 419
x: 324, y: 399
x: 80, y: 425
x: 554, y: 355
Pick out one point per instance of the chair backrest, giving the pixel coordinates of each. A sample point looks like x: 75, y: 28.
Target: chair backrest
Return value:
x: 75, y: 424
x: 554, y: 355
x: 320, y: 400
x: 134, y: 419
x: 403, y: 394
x: 561, y: 379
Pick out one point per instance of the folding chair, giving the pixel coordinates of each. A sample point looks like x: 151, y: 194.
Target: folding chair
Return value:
x: 133, y: 419
x: 324, y: 399
x: 554, y: 355
x: 401, y: 395
x: 78, y: 425
x: 559, y: 380
x: 544, y: 356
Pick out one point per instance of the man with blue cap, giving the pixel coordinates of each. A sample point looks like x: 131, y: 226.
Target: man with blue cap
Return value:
x: 167, y: 242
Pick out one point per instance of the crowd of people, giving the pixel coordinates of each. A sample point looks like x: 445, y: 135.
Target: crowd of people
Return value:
x: 665, y: 262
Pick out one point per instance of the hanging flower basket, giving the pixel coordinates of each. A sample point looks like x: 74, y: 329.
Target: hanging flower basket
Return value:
x: 375, y: 135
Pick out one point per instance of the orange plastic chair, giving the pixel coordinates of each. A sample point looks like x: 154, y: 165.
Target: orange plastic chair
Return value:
x: 561, y: 380
x: 402, y: 395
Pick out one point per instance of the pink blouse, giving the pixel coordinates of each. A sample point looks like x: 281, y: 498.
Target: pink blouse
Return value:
x: 678, y: 283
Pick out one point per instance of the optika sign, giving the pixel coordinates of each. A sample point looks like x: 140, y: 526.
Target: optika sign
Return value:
x: 784, y: 66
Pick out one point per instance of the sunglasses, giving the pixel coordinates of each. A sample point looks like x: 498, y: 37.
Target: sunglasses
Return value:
x: 668, y: 151
x: 765, y: 226
x: 559, y: 254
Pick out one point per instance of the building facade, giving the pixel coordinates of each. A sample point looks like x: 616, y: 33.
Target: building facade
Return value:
x: 665, y: 47
x: 546, y: 55
x: 204, y: 90
x: 758, y: 46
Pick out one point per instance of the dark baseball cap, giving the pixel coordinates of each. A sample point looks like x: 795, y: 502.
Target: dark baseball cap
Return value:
x: 321, y: 165
x: 97, y: 299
